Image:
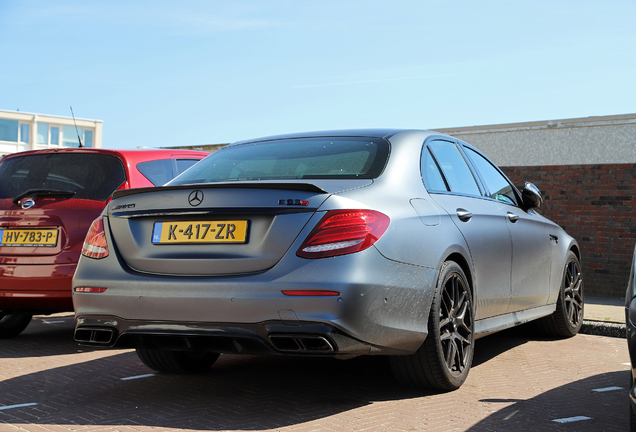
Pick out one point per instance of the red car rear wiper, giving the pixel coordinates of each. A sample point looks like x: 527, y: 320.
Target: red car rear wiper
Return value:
x: 43, y: 193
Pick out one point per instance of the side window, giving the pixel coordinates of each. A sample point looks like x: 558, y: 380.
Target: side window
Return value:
x: 498, y: 187
x: 458, y: 175
x: 159, y: 172
x: 430, y: 172
x: 184, y: 164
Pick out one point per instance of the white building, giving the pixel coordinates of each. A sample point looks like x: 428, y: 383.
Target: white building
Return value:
x: 21, y: 131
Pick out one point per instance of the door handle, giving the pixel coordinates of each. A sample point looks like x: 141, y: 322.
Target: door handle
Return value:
x: 464, y: 215
x: 512, y: 217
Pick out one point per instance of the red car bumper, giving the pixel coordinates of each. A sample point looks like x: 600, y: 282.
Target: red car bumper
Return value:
x: 36, y: 288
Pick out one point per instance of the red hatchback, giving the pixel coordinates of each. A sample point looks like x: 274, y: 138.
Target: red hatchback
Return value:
x: 48, y: 200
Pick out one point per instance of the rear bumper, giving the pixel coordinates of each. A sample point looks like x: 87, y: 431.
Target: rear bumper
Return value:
x: 382, y: 304
x: 36, y: 288
x: 272, y: 337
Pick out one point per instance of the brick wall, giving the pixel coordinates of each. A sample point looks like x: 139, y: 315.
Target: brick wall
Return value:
x: 596, y: 204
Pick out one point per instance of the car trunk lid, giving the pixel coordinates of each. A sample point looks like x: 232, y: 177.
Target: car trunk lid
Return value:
x: 213, y: 229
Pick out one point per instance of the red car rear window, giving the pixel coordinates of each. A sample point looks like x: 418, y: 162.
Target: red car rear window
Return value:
x: 90, y: 176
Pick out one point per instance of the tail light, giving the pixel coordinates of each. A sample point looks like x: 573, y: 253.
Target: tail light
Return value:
x: 342, y: 232
x: 95, y: 244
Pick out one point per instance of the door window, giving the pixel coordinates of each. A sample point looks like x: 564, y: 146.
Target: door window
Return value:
x: 458, y: 175
x: 498, y: 186
x: 431, y: 174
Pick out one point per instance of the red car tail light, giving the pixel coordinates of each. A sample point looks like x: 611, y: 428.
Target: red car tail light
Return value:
x: 95, y: 244
x: 342, y: 232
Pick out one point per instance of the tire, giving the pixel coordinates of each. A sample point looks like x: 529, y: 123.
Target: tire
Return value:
x: 177, y: 362
x: 12, y: 325
x: 567, y: 319
x: 443, y: 361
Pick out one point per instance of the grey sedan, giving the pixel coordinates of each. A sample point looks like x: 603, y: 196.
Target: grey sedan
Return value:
x: 403, y: 243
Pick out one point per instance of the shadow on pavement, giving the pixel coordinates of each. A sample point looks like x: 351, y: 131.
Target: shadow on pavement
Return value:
x: 44, y: 336
x: 244, y: 392
x: 580, y: 406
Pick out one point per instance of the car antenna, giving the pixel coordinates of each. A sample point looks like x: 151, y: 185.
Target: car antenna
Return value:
x: 76, y: 131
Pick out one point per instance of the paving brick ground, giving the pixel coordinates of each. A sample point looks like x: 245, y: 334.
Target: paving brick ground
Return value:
x: 519, y: 382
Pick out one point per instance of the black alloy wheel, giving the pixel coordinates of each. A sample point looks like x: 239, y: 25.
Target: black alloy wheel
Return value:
x: 567, y: 319
x: 442, y: 363
x: 455, y: 325
x: 573, y: 292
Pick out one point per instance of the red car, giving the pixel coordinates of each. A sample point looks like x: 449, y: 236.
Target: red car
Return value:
x: 48, y: 200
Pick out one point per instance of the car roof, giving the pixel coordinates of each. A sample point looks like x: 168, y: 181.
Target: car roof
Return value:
x: 128, y: 154
x: 385, y: 133
x: 371, y: 133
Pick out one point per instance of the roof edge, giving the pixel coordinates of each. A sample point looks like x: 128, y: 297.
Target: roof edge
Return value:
x: 544, y: 124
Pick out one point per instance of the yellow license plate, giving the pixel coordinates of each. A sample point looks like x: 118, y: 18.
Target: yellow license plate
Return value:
x: 28, y: 237
x: 229, y: 231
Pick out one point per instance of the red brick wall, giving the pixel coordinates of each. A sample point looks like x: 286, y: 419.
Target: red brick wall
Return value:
x: 596, y: 204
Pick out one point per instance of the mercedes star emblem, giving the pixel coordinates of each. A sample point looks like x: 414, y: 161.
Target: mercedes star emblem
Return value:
x: 195, y: 198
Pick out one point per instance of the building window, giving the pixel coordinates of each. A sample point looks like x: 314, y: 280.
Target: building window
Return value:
x: 24, y: 132
x: 43, y: 133
x: 9, y: 130
x: 88, y: 138
x: 55, y: 135
x: 69, y: 136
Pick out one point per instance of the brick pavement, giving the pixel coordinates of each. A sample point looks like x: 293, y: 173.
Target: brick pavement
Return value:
x: 519, y: 381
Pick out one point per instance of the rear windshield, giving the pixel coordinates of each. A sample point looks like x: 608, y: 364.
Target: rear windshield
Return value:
x: 304, y: 158
x: 90, y: 176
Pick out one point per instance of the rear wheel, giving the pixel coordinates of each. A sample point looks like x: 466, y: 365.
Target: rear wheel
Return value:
x: 567, y: 319
x: 177, y: 362
x: 12, y: 325
x: 442, y: 363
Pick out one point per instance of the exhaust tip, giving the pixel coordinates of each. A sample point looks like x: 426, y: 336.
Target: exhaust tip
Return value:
x: 301, y: 343
x: 94, y: 336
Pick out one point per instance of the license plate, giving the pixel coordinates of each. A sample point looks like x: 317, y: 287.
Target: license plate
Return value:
x: 28, y: 237
x: 230, y: 231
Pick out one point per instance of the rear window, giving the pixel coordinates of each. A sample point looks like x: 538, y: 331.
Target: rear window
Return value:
x: 90, y: 176
x: 304, y: 158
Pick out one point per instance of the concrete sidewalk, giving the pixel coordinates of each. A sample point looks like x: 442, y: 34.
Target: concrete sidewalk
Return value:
x: 604, y: 316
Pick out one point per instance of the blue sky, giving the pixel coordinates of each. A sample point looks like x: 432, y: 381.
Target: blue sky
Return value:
x: 165, y: 73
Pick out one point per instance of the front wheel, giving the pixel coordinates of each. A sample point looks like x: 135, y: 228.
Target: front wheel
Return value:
x: 567, y: 319
x: 177, y: 362
x: 12, y: 325
x: 443, y: 361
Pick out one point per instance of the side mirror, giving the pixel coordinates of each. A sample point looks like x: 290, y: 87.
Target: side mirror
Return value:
x: 531, y: 196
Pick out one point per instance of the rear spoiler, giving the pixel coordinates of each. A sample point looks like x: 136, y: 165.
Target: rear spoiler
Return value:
x: 226, y: 185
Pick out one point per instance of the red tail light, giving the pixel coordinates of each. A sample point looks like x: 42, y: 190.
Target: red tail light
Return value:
x: 342, y: 232
x: 95, y: 244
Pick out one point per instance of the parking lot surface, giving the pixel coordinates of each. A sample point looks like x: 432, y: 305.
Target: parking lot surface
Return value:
x: 519, y: 381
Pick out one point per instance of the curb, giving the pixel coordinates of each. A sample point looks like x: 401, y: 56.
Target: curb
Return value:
x: 598, y: 328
